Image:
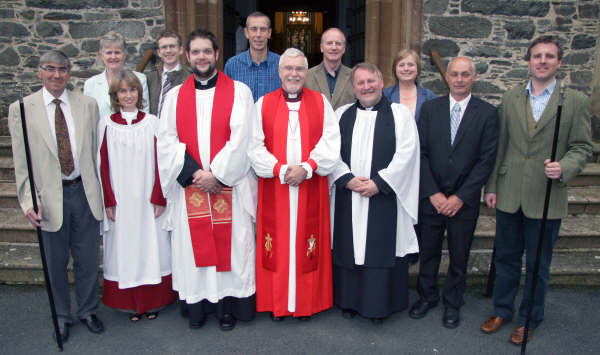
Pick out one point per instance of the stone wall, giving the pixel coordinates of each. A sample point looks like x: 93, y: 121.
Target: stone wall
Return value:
x: 28, y: 28
x: 496, y: 33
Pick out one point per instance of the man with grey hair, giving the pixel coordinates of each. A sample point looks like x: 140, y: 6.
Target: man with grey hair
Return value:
x: 295, y: 144
x: 61, y: 127
x: 459, y: 139
x: 331, y: 77
x: 376, y: 199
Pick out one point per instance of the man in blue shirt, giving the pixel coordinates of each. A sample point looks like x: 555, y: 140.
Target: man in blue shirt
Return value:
x: 256, y: 67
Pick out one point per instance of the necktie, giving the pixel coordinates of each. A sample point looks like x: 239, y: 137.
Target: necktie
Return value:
x: 65, y: 156
x: 165, y: 88
x: 454, y: 121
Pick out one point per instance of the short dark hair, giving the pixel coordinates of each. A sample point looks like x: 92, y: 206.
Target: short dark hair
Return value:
x: 55, y: 56
x: 544, y: 39
x: 169, y: 34
x: 201, y: 33
x: 258, y: 14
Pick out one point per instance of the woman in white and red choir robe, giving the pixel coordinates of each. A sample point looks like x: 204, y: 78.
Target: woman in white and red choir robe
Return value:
x: 137, y: 252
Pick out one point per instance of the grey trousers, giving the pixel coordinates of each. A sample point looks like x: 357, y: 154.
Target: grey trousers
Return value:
x: 79, y: 235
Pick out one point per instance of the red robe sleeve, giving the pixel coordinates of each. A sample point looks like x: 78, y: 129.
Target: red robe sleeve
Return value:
x: 157, y: 196
x: 109, y: 196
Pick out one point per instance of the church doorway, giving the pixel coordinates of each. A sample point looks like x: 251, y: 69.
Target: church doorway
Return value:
x: 300, y: 24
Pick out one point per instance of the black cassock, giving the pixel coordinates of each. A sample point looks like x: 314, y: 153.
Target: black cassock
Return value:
x: 380, y: 286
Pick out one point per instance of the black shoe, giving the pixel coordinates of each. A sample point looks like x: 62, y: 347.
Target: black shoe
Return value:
x: 304, y: 318
x: 63, y: 329
x: 227, y: 322
x: 195, y: 324
x: 420, y: 309
x: 276, y: 319
x: 183, y: 309
x: 377, y: 320
x: 451, y: 318
x: 349, y: 313
x: 93, y: 324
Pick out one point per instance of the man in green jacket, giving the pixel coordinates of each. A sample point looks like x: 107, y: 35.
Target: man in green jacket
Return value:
x: 516, y: 187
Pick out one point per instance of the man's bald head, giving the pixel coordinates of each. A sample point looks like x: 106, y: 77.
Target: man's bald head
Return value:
x: 461, y: 76
x: 333, y: 46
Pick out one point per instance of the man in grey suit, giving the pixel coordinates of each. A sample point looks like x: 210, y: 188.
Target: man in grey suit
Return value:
x: 331, y: 77
x: 516, y: 186
x: 61, y: 127
x: 169, y: 73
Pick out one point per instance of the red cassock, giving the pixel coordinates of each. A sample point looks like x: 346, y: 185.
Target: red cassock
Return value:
x: 313, y: 243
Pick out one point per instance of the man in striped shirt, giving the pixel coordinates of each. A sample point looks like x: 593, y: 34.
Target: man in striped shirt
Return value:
x: 256, y: 67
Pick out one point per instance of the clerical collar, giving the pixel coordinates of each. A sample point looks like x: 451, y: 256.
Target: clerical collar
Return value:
x: 382, y: 102
x: 206, y: 84
x: 297, y: 97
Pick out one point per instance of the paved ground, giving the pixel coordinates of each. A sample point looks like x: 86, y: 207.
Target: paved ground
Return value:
x: 571, y: 327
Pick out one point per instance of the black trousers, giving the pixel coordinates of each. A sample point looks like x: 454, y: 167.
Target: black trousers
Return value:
x: 460, y: 237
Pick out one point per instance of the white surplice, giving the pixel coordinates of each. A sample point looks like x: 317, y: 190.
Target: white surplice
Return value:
x: 325, y: 154
x: 231, y: 167
x: 402, y: 174
x: 137, y: 249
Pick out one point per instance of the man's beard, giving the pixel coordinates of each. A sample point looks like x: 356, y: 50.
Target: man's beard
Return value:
x: 204, y: 75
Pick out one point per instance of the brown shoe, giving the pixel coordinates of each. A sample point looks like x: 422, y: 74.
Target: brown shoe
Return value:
x: 492, y: 325
x: 517, y: 335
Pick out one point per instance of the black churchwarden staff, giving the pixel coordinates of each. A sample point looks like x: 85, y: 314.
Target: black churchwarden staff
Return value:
x: 538, y: 254
x: 39, y: 229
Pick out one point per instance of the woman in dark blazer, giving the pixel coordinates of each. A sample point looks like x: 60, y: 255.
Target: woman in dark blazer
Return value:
x: 407, y: 91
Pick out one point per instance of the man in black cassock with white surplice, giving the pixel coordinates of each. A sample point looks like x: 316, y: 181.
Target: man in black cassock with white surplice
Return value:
x: 376, y: 201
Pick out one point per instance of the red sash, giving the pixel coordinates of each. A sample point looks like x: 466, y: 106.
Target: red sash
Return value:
x: 273, y: 197
x: 209, y: 215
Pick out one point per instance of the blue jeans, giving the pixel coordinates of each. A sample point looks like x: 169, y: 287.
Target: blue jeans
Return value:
x: 515, y: 233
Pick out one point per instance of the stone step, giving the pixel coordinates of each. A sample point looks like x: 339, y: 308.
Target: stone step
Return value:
x: 8, y: 195
x: 577, y: 231
x: 5, y: 146
x: 590, y: 176
x: 20, y: 263
x: 7, y: 172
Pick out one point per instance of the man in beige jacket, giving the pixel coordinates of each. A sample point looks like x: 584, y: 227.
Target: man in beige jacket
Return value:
x: 61, y: 127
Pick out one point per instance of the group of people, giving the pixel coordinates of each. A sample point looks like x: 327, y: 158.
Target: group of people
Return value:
x: 272, y: 187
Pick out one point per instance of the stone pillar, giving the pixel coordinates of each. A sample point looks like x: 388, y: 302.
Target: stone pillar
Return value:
x: 391, y: 25
x: 184, y: 16
x: 595, y: 97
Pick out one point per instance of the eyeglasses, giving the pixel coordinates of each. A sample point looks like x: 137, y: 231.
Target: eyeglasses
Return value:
x: 52, y: 69
x: 168, y: 46
x: 291, y: 68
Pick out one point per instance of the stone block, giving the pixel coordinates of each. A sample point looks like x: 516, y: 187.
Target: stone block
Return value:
x: 507, y: 7
x: 518, y: 74
x: 85, y: 62
x: 91, y: 45
x: 28, y: 14
x: 437, y: 86
x: 589, y: 11
x: 135, y: 14
x: 445, y: 47
x: 129, y: 29
x: 576, y: 58
x: 582, y: 41
x: 12, y: 29
x: 7, y: 13
x: 9, y: 57
x: 481, y: 68
x: 483, y: 51
x: 435, y: 7
x: 98, y: 16
x: 485, y: 87
x: 25, y: 50
x: 520, y: 29
x: 49, y: 29
x: 582, y: 77
x: 59, y: 16
x: 76, y: 4
x: 151, y: 3
x: 565, y: 10
x: 562, y: 21
x: 460, y: 26
x: 501, y: 62
x: 70, y: 50
x: 32, y: 62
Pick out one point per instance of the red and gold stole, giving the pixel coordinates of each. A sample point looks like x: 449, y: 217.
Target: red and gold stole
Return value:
x: 209, y: 215
x: 273, y: 197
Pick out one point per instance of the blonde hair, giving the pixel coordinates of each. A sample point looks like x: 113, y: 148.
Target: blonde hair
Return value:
x: 403, y: 53
x: 130, y: 79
